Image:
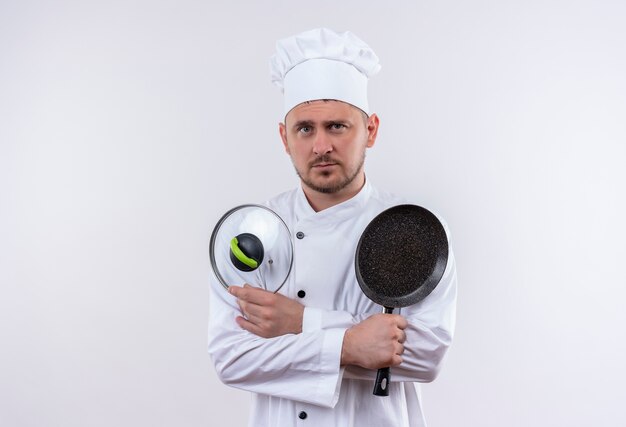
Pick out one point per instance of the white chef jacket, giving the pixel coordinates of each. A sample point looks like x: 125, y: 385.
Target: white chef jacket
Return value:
x: 296, y: 379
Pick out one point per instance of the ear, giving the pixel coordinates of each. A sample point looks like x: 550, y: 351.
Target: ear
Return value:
x: 282, y: 129
x: 372, y: 129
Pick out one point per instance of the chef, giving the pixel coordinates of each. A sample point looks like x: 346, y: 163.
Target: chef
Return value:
x: 309, y: 353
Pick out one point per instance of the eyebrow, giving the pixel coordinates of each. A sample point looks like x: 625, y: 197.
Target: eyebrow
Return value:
x: 302, y: 123
x: 310, y: 123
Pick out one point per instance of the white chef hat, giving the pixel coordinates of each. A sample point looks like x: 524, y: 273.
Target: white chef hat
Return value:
x: 323, y: 64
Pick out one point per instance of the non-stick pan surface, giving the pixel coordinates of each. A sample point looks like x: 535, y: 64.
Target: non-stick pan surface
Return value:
x: 401, y: 256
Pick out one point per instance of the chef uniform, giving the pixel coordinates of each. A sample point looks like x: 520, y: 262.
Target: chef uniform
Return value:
x: 296, y: 379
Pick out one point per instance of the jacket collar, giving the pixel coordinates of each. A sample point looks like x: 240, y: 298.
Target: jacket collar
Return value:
x: 349, y: 208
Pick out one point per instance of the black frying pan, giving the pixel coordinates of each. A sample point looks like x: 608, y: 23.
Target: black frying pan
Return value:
x: 400, y: 259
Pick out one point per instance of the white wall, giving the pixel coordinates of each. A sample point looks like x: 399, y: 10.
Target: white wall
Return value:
x: 128, y: 127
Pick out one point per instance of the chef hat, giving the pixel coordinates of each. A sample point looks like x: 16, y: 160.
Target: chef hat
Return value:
x: 323, y: 64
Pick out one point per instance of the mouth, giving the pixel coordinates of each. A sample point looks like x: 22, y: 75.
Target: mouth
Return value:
x: 323, y: 165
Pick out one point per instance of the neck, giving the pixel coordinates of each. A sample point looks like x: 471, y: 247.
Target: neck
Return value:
x: 320, y: 201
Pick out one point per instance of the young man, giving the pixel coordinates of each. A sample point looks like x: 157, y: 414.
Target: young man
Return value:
x: 310, y: 352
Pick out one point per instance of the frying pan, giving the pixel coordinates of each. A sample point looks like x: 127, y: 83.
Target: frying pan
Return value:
x: 400, y: 258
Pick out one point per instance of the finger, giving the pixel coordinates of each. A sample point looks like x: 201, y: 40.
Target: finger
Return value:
x: 399, y: 349
x: 242, y: 306
x: 248, y: 311
x: 401, y: 322
x: 248, y: 326
x: 395, y: 361
x: 240, y: 291
x: 401, y: 337
x: 254, y: 295
x: 235, y: 290
x: 253, y: 327
x: 253, y: 310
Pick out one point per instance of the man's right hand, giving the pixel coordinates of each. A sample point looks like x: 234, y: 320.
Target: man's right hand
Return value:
x: 377, y: 342
x: 267, y: 314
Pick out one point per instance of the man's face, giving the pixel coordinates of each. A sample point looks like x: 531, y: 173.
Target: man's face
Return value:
x: 327, y: 141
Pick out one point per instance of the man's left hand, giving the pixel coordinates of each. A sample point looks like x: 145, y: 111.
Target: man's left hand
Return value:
x: 267, y: 314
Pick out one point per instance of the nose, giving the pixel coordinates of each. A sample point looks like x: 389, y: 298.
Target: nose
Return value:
x: 322, y: 144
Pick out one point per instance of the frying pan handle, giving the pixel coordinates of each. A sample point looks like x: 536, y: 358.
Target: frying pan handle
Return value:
x: 381, y: 386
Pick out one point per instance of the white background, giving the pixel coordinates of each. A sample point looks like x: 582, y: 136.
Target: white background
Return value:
x: 128, y: 127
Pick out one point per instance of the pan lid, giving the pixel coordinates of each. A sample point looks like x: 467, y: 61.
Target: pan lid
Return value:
x: 251, y: 244
x: 401, y: 256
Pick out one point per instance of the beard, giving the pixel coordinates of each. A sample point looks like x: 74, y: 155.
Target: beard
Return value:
x: 345, y: 179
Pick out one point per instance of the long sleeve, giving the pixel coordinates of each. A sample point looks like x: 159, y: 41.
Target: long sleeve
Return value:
x: 303, y: 367
x: 429, y: 333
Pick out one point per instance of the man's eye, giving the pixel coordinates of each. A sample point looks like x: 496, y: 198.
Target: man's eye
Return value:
x: 304, y: 129
x: 337, y: 126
